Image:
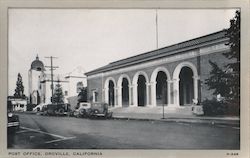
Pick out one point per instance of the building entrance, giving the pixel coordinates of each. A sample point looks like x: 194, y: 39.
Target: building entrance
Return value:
x: 111, y: 93
x: 125, y: 93
x: 186, y: 86
x: 141, y: 90
x: 161, y: 88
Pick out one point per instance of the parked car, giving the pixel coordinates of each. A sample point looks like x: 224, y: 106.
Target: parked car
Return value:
x: 56, y: 109
x: 83, y: 110
x: 13, y: 119
x: 38, y: 108
x: 100, y: 110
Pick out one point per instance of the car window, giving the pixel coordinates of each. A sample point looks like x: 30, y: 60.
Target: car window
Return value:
x: 97, y: 105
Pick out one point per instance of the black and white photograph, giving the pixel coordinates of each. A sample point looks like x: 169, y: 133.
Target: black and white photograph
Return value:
x: 94, y: 79
x: 124, y: 79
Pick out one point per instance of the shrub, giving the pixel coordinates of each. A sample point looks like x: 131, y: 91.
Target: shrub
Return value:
x: 214, y: 107
x: 233, y: 109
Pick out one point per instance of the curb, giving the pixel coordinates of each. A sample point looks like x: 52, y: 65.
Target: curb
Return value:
x: 177, y: 120
x: 197, y: 121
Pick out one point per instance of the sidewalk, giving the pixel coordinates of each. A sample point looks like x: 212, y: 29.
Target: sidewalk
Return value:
x: 172, y: 117
x: 232, y: 121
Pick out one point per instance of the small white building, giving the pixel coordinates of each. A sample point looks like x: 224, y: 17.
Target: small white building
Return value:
x: 18, y: 104
x: 76, y: 80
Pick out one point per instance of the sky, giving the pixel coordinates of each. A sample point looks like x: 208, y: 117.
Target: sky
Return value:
x: 91, y: 38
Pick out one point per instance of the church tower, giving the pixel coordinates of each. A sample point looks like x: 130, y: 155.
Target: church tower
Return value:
x: 37, y: 88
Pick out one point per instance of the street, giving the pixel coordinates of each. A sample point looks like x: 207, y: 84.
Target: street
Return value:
x: 49, y: 132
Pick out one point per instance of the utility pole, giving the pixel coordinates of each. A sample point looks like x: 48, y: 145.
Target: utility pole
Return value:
x: 51, y: 71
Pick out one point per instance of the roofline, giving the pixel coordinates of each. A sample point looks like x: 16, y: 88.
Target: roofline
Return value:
x: 70, y: 76
x: 169, y: 46
x: 14, y: 97
x: 103, y: 69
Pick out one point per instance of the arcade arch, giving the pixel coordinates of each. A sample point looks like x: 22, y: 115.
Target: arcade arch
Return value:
x: 110, y: 92
x: 124, y: 92
x: 140, y: 89
x: 160, y: 88
x: 185, y: 79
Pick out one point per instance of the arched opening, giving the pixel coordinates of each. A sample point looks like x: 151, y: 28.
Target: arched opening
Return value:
x: 125, y: 92
x: 186, y: 86
x: 111, y: 95
x: 141, y: 90
x: 161, y: 88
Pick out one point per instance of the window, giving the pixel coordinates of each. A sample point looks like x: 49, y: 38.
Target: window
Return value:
x: 95, y: 95
x: 66, y: 93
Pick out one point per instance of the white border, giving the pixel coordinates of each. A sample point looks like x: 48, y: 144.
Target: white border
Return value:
x: 134, y: 4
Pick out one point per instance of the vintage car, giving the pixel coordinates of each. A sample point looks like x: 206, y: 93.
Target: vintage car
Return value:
x: 83, y: 110
x: 56, y: 109
x: 13, y: 120
x: 100, y: 110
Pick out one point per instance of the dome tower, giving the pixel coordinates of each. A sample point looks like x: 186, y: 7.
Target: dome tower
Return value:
x: 37, y: 65
x: 36, y: 86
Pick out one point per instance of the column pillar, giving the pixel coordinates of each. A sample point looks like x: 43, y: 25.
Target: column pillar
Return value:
x: 135, y: 101
x: 176, y: 92
x: 115, y: 96
x: 195, y: 78
x: 153, y: 93
x: 147, y: 93
x: 119, y: 96
x: 169, y: 82
x: 130, y: 102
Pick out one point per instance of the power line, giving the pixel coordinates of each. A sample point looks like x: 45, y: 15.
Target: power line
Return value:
x: 51, y: 71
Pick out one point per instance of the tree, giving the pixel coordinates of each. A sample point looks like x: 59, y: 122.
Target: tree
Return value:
x: 19, y: 87
x: 226, y: 81
x: 218, y: 80
x: 58, y: 96
x: 82, y: 96
x: 233, y: 69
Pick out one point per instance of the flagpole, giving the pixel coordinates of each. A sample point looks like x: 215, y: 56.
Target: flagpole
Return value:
x: 156, y: 27
x: 157, y: 46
